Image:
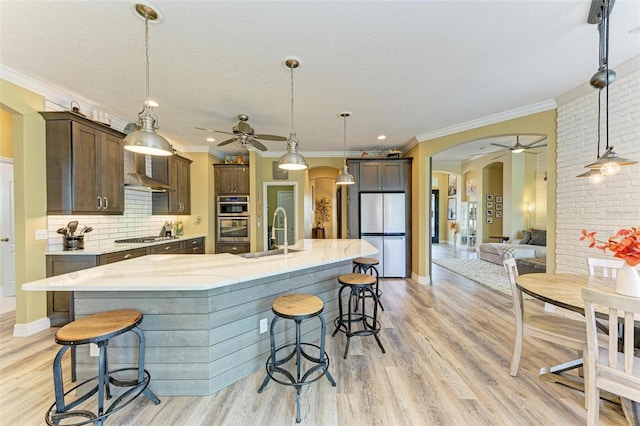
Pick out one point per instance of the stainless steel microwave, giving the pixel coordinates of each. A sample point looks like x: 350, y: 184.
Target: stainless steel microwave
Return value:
x: 233, y: 205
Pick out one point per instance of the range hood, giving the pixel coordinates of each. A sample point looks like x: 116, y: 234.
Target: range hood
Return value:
x: 135, y: 174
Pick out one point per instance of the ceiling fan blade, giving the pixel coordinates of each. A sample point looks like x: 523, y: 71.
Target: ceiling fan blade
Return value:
x: 501, y: 155
x: 534, y: 143
x: 270, y: 137
x: 258, y: 145
x: 244, y: 127
x: 227, y: 142
x: 500, y: 145
x: 212, y: 131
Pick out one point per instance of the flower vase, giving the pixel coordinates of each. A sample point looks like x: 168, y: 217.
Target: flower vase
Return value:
x: 628, y: 281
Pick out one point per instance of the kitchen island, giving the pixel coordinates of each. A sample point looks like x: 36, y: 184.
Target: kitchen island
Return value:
x: 202, y: 312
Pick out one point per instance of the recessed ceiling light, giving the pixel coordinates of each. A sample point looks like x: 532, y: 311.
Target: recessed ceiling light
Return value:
x: 211, y: 140
x: 381, y: 137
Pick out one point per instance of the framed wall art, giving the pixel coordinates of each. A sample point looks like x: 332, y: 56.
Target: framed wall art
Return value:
x: 498, y: 206
x: 489, y: 197
x: 489, y: 213
x: 498, y: 215
x: 489, y: 220
x: 489, y: 204
x: 498, y: 198
x: 452, y: 185
x: 451, y: 209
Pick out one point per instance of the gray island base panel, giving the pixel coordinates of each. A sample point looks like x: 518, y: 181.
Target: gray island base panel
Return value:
x: 198, y: 342
x: 202, y: 312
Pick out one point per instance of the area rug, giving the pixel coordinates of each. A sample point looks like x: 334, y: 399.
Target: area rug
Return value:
x: 485, y: 273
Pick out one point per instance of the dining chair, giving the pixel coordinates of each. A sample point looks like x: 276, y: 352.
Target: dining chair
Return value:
x: 604, y: 267
x: 546, y: 326
x: 607, y: 368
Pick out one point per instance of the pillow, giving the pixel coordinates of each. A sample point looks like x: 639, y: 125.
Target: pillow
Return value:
x: 538, y: 237
x: 526, y: 237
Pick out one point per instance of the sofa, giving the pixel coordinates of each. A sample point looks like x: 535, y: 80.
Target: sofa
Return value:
x: 532, y: 245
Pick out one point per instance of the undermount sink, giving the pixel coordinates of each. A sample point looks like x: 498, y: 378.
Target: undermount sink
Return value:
x: 265, y: 253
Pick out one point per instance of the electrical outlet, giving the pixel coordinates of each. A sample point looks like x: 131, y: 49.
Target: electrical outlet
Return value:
x: 263, y: 325
x: 94, y: 350
x: 41, y: 234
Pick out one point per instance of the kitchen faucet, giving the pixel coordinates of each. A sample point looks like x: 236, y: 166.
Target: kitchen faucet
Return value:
x: 284, y: 229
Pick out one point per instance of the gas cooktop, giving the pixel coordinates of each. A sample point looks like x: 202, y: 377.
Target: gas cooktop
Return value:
x: 151, y: 239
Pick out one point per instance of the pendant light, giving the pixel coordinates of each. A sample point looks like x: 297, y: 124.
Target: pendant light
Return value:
x: 345, y: 177
x: 609, y: 163
x: 292, y: 159
x: 144, y: 139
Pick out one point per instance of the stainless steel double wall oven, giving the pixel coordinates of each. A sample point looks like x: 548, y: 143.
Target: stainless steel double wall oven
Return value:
x: 233, y: 218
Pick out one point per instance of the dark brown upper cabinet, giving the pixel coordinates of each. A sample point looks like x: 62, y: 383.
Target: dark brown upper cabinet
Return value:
x: 176, y: 172
x: 382, y: 176
x: 231, y: 179
x: 85, y: 166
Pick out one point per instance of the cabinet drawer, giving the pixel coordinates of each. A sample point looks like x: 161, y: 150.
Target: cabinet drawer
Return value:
x: 233, y: 248
x: 195, y: 246
x: 105, y: 259
x: 166, y: 248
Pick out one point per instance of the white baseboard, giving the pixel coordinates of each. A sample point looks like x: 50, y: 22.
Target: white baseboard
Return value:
x: 420, y: 280
x: 24, y: 330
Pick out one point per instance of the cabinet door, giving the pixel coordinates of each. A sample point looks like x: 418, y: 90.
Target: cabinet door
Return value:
x: 111, y: 160
x: 241, y: 180
x: 233, y: 248
x: 184, y: 187
x: 392, y: 176
x: 86, y: 179
x: 174, y: 176
x: 225, y: 177
x: 105, y: 259
x: 370, y: 176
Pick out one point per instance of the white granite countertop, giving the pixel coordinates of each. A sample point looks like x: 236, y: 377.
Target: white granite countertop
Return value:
x: 168, y: 272
x: 116, y: 247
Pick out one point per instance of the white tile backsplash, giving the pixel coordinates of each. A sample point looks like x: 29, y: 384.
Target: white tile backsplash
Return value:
x: 137, y: 221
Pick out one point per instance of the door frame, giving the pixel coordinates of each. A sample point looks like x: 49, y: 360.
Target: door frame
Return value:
x: 435, y: 211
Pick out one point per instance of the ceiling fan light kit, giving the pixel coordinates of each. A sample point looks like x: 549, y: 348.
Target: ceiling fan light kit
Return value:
x: 292, y: 159
x: 345, y: 178
x: 609, y: 164
x: 144, y: 139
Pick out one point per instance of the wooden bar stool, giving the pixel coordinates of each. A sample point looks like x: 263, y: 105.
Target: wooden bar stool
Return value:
x: 359, y: 286
x: 297, y: 307
x: 98, y: 329
x: 367, y: 265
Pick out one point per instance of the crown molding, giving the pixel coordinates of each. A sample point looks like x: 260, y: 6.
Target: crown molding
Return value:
x: 491, y: 119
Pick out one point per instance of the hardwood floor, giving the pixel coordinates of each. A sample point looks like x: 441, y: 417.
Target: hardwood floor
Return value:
x: 447, y: 345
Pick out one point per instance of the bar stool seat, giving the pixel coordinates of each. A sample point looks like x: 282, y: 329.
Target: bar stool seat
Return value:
x: 359, y: 286
x: 297, y: 307
x: 98, y: 329
x: 368, y: 265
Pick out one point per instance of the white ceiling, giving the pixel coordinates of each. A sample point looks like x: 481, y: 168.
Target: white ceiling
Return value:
x: 403, y: 69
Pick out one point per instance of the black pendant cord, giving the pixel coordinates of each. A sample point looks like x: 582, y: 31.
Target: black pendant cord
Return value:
x: 599, y: 107
x: 606, y: 28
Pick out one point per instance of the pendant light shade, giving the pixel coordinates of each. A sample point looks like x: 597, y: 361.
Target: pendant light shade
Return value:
x: 144, y: 139
x: 292, y: 159
x: 345, y: 177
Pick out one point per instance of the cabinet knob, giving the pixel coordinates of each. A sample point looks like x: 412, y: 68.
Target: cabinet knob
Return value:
x: 127, y: 256
x: 167, y: 248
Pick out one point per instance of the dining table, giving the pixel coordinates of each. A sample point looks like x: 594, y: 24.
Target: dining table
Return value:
x: 565, y: 290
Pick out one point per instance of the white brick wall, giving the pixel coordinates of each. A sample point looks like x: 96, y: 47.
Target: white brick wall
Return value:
x: 613, y: 204
x: 137, y: 221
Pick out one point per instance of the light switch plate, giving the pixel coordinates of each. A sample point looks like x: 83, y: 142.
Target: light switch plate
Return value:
x: 263, y: 325
x: 94, y: 350
x: 41, y: 234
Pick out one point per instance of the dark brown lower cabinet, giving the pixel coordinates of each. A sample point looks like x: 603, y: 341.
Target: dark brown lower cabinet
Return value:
x: 59, y: 303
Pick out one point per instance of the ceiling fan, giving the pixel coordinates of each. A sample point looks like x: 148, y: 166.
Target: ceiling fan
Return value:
x: 244, y: 136
x: 518, y: 147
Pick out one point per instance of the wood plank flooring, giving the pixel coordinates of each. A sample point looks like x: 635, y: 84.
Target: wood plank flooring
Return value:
x: 447, y: 363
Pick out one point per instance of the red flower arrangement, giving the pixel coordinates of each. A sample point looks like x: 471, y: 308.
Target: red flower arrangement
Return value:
x: 454, y: 227
x: 624, y: 245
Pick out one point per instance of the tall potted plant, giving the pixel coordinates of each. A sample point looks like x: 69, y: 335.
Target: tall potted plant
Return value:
x: 323, y: 211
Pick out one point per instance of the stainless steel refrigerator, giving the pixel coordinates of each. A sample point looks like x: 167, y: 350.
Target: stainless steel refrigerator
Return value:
x: 382, y: 224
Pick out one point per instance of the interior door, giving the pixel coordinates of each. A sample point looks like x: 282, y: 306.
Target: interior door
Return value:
x: 7, y: 230
x: 435, y: 214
